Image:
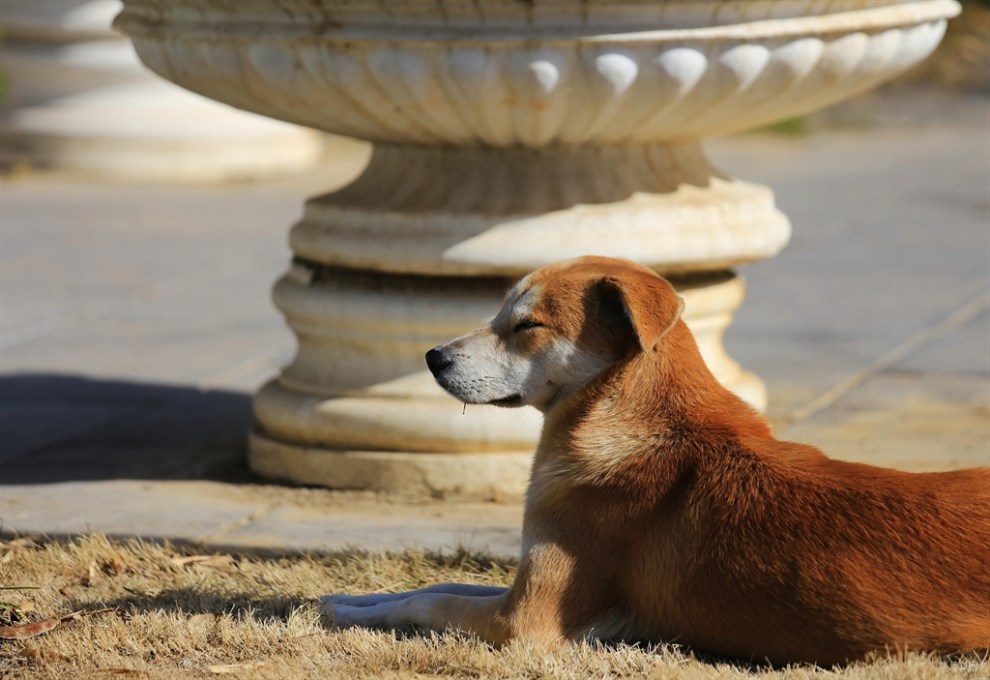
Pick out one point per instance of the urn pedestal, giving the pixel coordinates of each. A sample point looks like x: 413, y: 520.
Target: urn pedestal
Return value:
x: 506, y: 135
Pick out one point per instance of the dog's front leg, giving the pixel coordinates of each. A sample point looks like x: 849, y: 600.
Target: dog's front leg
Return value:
x: 532, y: 609
x: 481, y: 615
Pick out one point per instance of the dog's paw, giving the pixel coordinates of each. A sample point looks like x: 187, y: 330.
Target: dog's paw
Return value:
x: 334, y: 612
x: 346, y: 611
x: 336, y: 615
x: 346, y: 616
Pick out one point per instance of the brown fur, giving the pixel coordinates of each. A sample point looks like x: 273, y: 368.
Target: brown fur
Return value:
x: 661, y: 507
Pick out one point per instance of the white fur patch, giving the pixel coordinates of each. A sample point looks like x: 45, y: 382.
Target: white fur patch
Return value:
x: 485, y: 368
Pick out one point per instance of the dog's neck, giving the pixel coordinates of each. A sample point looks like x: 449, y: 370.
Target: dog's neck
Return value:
x: 650, y: 396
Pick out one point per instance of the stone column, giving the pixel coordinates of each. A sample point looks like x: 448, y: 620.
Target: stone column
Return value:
x: 507, y: 135
x: 423, y: 246
x: 79, y: 100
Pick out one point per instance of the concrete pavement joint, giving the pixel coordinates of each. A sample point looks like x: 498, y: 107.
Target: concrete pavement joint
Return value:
x: 957, y: 318
x: 213, y: 536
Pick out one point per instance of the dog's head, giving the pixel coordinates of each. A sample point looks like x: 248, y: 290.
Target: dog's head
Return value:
x: 558, y: 328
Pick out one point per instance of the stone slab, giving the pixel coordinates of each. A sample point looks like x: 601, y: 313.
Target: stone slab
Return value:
x: 488, y: 528
x: 965, y: 350
x: 906, y: 420
x: 183, y: 511
x: 195, y: 352
x: 75, y: 252
x: 890, y: 237
x: 255, y: 519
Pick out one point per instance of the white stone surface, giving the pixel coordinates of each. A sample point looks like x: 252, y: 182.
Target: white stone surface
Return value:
x: 504, y: 212
x: 506, y: 73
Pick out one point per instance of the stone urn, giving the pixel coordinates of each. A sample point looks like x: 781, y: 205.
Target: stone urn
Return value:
x: 506, y: 135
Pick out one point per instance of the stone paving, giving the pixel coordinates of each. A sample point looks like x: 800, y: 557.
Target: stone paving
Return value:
x: 136, y: 323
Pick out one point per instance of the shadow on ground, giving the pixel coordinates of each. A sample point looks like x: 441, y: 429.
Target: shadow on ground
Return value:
x: 59, y: 428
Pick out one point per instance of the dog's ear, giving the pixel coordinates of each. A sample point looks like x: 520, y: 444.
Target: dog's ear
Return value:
x: 647, y: 304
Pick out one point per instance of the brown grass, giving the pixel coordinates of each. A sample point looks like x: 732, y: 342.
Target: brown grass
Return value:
x: 176, y: 614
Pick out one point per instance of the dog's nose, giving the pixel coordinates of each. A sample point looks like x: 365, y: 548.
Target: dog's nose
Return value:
x: 437, y: 361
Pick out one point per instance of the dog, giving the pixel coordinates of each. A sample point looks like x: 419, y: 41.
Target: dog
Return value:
x: 661, y: 507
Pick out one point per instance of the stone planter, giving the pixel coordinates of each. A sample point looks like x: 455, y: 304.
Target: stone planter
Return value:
x: 507, y: 135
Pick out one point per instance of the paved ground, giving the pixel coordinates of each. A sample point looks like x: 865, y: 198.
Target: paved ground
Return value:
x: 136, y: 322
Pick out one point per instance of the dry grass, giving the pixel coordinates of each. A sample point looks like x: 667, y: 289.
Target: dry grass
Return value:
x: 181, y: 615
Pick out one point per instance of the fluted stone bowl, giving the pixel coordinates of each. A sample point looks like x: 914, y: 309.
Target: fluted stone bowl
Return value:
x: 533, y: 74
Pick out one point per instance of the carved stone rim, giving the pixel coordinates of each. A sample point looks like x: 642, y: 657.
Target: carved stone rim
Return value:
x: 144, y: 18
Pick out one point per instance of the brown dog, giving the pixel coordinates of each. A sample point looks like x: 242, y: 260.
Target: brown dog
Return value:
x: 662, y: 508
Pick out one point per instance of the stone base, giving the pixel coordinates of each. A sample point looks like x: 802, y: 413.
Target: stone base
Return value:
x: 157, y: 133
x: 479, y: 212
x: 479, y: 476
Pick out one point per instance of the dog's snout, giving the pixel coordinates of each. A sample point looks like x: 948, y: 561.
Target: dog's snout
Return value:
x: 437, y: 360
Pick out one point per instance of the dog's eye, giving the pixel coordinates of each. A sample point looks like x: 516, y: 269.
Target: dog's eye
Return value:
x: 526, y: 325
